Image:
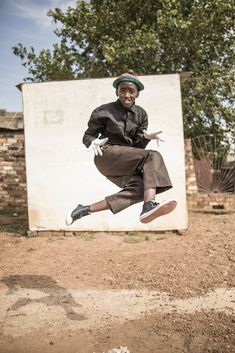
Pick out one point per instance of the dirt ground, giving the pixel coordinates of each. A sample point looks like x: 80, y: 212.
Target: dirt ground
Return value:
x: 89, y: 293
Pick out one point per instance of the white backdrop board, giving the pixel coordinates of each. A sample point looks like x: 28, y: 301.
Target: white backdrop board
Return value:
x: 60, y: 170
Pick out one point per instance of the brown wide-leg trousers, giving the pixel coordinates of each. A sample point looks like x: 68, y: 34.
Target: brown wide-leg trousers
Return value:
x: 134, y: 170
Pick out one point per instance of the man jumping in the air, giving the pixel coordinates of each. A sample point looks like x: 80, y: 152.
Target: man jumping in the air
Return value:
x: 117, y: 134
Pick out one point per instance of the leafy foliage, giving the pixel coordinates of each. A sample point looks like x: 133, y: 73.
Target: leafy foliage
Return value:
x: 103, y: 38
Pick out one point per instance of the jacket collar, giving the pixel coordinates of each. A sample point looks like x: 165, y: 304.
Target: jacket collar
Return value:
x: 122, y: 108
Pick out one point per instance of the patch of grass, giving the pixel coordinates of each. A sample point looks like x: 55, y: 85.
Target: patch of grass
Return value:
x: 87, y: 236
x: 160, y: 237
x: 135, y: 237
x: 15, y: 222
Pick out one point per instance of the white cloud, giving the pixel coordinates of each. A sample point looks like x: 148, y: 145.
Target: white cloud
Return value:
x: 37, y: 10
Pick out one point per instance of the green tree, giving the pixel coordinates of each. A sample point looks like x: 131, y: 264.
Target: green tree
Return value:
x: 103, y: 38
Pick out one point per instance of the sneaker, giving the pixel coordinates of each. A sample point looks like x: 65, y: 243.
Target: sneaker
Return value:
x: 152, y: 210
x: 79, y: 212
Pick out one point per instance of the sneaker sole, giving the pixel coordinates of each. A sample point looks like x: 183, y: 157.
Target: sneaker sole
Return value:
x: 159, y: 211
x: 68, y: 219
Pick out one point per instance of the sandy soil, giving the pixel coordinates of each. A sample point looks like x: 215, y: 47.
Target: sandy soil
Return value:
x: 149, y: 292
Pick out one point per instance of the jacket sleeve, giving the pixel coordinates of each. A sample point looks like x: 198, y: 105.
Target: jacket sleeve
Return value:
x: 95, y: 127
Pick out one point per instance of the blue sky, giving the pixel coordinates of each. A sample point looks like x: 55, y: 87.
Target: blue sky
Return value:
x: 26, y: 22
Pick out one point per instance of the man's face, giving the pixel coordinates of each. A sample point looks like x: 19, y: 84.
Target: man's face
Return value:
x: 127, y: 92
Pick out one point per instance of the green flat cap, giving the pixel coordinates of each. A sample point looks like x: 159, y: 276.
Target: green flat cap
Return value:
x: 128, y: 77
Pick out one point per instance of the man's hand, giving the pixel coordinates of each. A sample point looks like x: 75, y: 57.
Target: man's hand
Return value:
x: 153, y: 136
x: 96, y: 144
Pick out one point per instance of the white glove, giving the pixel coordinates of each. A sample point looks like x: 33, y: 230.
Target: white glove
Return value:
x: 153, y: 136
x: 96, y: 144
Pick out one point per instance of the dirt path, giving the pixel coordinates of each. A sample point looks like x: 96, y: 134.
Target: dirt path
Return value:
x: 149, y: 292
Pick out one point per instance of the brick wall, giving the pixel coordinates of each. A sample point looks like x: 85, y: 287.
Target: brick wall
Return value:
x: 191, y: 184
x: 13, y: 192
x: 211, y: 202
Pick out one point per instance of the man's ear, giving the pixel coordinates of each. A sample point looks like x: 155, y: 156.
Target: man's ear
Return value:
x: 138, y: 94
x: 116, y: 92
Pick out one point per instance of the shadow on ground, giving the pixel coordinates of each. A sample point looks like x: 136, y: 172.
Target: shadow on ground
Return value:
x: 56, y: 295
